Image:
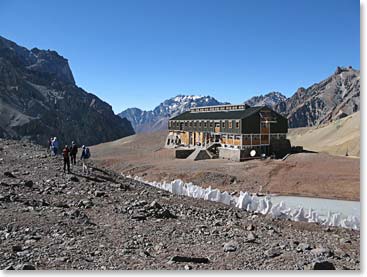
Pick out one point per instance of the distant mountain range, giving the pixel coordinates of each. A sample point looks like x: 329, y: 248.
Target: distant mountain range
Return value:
x: 157, y: 119
x: 270, y: 99
x: 39, y: 99
x: 335, y: 97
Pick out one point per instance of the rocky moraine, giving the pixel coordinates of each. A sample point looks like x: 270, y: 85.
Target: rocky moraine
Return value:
x: 53, y: 220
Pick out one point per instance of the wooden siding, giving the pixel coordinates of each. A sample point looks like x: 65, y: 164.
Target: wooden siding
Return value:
x: 247, y: 125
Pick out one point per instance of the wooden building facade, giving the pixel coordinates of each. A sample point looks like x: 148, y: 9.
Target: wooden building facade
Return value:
x: 233, y: 126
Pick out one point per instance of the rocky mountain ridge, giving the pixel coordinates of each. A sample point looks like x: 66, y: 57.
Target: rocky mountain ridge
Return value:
x: 39, y: 99
x: 333, y: 98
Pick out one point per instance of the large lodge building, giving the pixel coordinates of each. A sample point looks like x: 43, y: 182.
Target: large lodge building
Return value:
x: 237, y: 131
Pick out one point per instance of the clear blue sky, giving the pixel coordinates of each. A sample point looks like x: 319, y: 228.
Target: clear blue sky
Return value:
x: 137, y: 53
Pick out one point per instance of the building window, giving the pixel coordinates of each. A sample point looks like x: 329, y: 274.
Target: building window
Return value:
x: 223, y: 124
x: 237, y: 124
x: 194, y: 125
x: 200, y: 124
x: 186, y: 124
x: 230, y: 124
x: 211, y: 124
x: 204, y: 124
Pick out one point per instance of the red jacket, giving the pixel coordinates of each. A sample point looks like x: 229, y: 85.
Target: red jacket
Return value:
x: 65, y: 153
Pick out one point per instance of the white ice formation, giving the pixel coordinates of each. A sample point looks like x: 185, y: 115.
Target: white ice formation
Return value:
x: 245, y: 201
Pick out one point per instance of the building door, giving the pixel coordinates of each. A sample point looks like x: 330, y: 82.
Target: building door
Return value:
x: 265, y: 132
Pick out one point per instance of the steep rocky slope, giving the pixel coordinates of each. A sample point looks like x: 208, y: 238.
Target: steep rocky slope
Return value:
x: 335, y: 97
x: 157, y: 119
x: 39, y: 99
x: 109, y: 222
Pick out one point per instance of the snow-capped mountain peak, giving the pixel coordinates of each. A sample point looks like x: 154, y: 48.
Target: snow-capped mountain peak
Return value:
x: 146, y: 121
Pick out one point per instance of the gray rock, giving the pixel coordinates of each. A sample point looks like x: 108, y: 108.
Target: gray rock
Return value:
x: 185, y: 259
x: 17, y: 248
x: 62, y: 205
x: 320, y: 265
x: 303, y: 247
x: 155, y: 205
x: 74, y: 179
x: 187, y: 267
x: 61, y: 259
x: 165, y: 214
x: 99, y: 193
x: 28, y: 267
x: 250, y: 227
x: 251, y: 237
x: 86, y: 203
x: 344, y: 240
x: 321, y: 251
x: 138, y: 217
x: 9, y: 174
x: 272, y: 252
x: 28, y: 183
x: 230, y: 246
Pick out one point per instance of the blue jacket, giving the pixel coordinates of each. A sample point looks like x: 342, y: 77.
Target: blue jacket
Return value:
x: 84, y: 154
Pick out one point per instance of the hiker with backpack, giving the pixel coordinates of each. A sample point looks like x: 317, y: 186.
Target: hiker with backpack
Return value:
x: 84, y: 157
x: 73, y: 152
x: 55, y: 146
x: 65, y: 153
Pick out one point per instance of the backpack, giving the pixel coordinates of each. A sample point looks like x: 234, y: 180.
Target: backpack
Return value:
x: 87, y: 153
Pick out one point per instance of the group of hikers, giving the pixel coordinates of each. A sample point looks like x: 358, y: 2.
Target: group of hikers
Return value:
x: 70, y: 153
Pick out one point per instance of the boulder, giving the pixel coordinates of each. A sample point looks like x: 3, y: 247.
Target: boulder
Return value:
x: 230, y: 246
x: 185, y: 259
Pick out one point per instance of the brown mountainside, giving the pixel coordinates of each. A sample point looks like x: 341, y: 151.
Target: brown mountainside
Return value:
x: 39, y: 99
x: 335, y: 97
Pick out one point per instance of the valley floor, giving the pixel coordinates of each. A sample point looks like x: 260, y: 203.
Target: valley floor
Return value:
x: 304, y: 174
x: 53, y: 220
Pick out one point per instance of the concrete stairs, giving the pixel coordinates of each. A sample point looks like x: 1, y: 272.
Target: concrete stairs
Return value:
x: 200, y: 154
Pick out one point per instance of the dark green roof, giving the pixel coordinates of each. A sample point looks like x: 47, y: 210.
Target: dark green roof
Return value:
x: 239, y: 114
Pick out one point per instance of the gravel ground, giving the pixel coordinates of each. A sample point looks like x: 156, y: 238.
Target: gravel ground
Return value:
x: 303, y: 174
x: 53, y: 220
